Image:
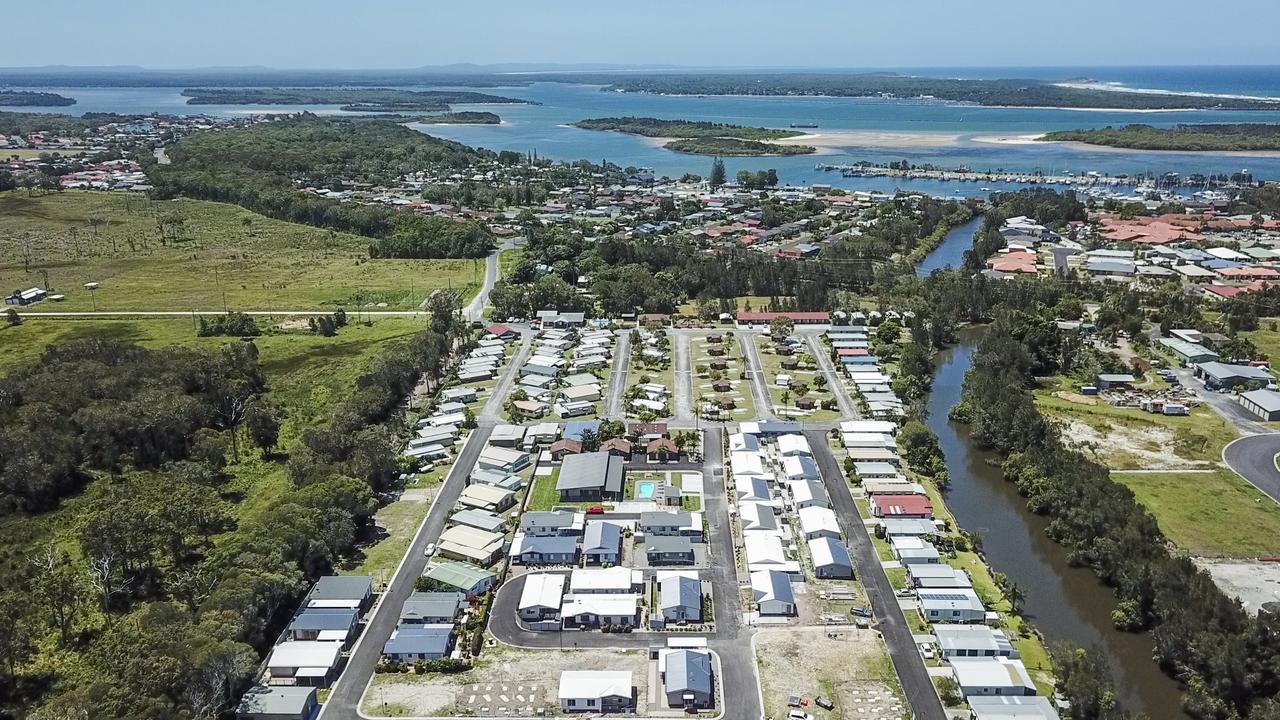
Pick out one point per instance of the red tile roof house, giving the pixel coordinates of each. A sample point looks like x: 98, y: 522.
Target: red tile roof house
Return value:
x: 563, y: 447
x: 617, y: 446
x: 1250, y: 273
x: 662, y: 450
x: 901, y: 506
x: 502, y: 332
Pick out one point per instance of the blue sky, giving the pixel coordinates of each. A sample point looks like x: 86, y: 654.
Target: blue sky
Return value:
x: 826, y: 33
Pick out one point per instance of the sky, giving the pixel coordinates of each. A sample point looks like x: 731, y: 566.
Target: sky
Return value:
x: 387, y: 34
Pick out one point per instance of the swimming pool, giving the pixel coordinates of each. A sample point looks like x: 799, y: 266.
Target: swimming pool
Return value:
x: 644, y: 490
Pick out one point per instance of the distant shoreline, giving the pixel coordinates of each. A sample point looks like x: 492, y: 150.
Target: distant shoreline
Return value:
x: 1036, y: 139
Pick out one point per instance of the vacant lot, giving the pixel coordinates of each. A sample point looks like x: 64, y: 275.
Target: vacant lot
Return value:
x: 852, y: 669
x: 187, y: 254
x: 1132, y: 439
x: 505, y: 682
x: 1214, y: 514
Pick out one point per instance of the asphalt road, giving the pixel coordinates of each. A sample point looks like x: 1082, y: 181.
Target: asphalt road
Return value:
x: 755, y: 375
x: 618, y: 376
x: 834, y: 383
x: 916, y: 684
x: 344, y: 698
x: 683, y: 390
x: 1253, y: 457
x: 475, y: 309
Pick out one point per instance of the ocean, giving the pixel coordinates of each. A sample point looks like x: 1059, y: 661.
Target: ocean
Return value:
x: 543, y: 128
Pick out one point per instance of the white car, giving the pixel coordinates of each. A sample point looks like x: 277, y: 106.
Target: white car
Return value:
x: 926, y: 649
x: 799, y: 715
x: 429, y: 550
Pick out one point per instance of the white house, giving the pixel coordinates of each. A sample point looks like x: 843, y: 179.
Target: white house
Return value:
x: 952, y: 605
x: 830, y: 558
x: 541, y: 596
x: 992, y: 676
x: 596, y: 691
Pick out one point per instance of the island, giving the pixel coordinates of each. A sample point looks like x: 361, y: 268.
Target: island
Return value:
x: 733, y: 147
x: 26, y: 98
x: 703, y: 138
x: 470, y: 117
x: 1186, y: 138
x: 990, y: 93
x: 357, y: 99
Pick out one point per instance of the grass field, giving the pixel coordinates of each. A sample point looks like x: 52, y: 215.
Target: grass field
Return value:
x: 218, y: 256
x: 1215, y: 514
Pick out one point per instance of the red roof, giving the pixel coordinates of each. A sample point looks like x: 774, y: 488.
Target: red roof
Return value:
x: 852, y: 352
x: 1223, y: 291
x: 756, y: 317
x: 498, y: 330
x: 902, y: 505
x: 660, y: 444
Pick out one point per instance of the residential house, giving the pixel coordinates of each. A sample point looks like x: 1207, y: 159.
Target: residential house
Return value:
x: 684, y: 524
x: 304, y: 662
x: 669, y: 550
x: 680, y: 597
x: 474, y: 545
x: 772, y: 593
x: 432, y: 608
x: 480, y: 520
x: 972, y: 641
x: 1011, y: 707
x: 465, y: 577
x: 606, y: 581
x: 342, y: 591
x: 596, y: 691
x: 411, y: 643
x: 599, y: 610
x: 536, y: 523
x: 486, y: 497
x: 281, y: 702
x: 544, y: 550
x: 602, y: 543
x: 661, y: 450
x: 687, y: 679
x: 902, y: 506
x: 922, y: 575
x: 325, y: 624
x: 817, y: 521
x: 954, y: 605
x: 590, y: 476
x: 992, y: 676
x: 541, y: 596
x: 830, y: 558
x: 502, y: 459
x: 913, y: 551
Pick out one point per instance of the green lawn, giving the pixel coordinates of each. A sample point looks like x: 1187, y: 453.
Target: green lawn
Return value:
x: 1215, y: 514
x: 396, y: 522
x: 542, y: 493
x: 743, y: 399
x: 215, y: 258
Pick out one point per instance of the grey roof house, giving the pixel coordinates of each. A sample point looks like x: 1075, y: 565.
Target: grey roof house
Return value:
x: 432, y: 608
x: 687, y: 679
x: 602, y: 543
x: 590, y: 476
x: 669, y: 550
x: 278, y: 703
x: 680, y: 598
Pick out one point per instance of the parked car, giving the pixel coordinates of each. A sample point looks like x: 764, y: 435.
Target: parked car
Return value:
x: 860, y: 612
x: 429, y: 550
x: 905, y: 592
x: 823, y: 702
x: 595, y: 510
x: 799, y: 715
x: 926, y: 649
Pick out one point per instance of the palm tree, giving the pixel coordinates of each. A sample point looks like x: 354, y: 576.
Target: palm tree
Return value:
x: 1016, y: 596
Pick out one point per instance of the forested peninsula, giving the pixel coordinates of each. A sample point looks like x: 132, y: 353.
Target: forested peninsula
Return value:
x: 24, y: 98
x: 361, y: 99
x: 991, y: 93
x: 1187, y: 138
x: 702, y: 138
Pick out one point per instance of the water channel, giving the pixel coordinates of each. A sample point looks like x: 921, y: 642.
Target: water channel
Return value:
x: 1065, y: 603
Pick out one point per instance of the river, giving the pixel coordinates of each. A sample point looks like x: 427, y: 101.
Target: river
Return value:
x: 950, y: 252
x: 1066, y: 603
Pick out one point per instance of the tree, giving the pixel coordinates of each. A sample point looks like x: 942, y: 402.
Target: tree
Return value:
x: 717, y: 176
x: 59, y: 589
x: 1016, y: 596
x: 781, y: 327
x: 12, y: 316
x: 590, y: 440
x: 262, y: 422
x: 16, y: 636
x: 948, y: 691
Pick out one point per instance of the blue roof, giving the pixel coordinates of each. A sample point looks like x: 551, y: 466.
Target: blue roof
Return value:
x: 427, y: 639
x: 574, y: 428
x: 688, y: 670
x: 1220, y: 264
x: 324, y: 619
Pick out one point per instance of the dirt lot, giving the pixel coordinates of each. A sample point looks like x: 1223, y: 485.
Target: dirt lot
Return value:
x: 1127, y: 447
x: 1252, y: 582
x: 852, y: 669
x: 506, y: 682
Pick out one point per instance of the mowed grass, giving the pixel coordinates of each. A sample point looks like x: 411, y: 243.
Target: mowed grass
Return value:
x: 1214, y: 514
x: 223, y: 257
